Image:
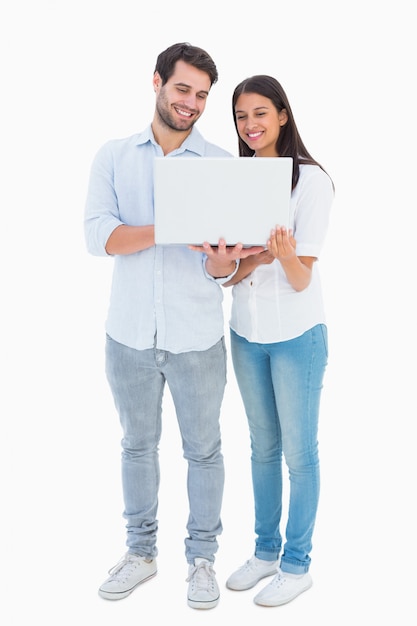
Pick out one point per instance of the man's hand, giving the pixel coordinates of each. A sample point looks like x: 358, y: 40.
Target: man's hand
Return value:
x: 221, y: 259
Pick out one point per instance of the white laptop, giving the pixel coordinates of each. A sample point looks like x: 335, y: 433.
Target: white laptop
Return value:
x: 201, y: 199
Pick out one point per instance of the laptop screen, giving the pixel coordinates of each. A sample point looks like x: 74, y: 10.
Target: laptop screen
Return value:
x: 201, y: 199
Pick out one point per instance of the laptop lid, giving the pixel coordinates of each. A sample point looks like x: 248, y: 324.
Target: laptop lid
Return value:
x: 241, y: 199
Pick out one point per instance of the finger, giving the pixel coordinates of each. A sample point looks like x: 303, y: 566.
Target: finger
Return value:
x: 245, y: 252
x: 207, y: 248
x: 221, y: 248
x: 236, y: 250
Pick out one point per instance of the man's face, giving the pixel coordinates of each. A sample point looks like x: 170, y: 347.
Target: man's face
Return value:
x: 182, y: 100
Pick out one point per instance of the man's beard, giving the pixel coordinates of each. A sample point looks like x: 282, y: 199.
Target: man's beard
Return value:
x: 167, y: 119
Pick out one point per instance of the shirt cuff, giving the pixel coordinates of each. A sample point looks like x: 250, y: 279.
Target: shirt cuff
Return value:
x: 223, y: 279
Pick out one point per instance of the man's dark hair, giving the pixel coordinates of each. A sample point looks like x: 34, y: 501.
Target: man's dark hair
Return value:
x: 197, y: 57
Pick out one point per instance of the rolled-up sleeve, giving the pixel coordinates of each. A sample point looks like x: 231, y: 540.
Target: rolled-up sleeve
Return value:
x: 101, y: 215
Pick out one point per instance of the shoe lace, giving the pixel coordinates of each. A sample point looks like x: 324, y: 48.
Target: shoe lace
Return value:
x: 202, y: 576
x: 249, y: 565
x: 278, y: 580
x: 123, y: 568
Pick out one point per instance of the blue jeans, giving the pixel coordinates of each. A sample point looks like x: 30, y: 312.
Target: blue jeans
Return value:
x: 280, y: 385
x: 196, y: 381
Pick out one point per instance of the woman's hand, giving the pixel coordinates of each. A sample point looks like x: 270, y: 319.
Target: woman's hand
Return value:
x: 263, y: 258
x: 282, y: 244
x: 297, y: 269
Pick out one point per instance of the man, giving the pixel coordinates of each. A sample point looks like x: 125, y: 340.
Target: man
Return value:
x: 164, y: 325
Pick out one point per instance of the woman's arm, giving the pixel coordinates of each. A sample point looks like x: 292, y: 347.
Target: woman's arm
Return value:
x: 248, y: 264
x: 282, y: 246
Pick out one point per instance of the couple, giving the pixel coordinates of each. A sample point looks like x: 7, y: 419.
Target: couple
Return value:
x: 165, y: 325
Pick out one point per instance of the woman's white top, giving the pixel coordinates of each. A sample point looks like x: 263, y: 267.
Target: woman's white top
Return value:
x: 265, y: 308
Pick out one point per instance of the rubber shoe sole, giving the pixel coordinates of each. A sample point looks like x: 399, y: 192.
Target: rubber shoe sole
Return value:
x: 249, y: 575
x: 119, y: 595
x: 282, y: 590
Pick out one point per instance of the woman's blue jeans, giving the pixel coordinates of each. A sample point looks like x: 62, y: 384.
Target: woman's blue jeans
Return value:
x: 196, y: 381
x: 280, y: 385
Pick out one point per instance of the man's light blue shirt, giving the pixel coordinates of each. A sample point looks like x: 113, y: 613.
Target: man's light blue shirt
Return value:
x: 161, y: 296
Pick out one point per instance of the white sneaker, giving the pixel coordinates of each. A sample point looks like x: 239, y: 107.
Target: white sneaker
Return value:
x: 126, y: 575
x: 251, y: 573
x: 283, y: 588
x: 203, y: 591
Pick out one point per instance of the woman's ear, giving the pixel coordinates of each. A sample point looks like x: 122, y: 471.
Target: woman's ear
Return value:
x: 283, y: 117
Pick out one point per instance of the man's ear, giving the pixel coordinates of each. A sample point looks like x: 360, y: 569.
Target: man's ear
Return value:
x: 156, y: 81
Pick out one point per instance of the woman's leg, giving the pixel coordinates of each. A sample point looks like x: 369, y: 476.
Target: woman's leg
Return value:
x: 298, y: 368
x: 251, y: 364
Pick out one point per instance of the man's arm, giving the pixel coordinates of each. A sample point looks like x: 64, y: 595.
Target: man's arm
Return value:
x: 129, y: 239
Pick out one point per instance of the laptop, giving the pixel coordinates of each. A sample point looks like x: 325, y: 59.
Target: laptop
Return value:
x: 241, y: 199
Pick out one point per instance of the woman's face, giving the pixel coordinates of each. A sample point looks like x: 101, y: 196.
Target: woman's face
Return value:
x: 259, y: 123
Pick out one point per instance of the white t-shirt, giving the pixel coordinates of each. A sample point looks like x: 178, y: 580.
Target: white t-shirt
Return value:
x: 265, y: 308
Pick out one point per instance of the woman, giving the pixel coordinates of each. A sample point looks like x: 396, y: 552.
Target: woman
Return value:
x: 279, y: 349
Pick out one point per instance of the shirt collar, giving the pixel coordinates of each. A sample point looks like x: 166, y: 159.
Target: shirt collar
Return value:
x: 193, y: 143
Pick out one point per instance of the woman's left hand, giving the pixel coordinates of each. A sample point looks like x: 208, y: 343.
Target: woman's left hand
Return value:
x: 282, y: 244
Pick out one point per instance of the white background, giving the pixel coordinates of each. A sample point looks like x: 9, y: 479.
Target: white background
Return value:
x: 75, y: 74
